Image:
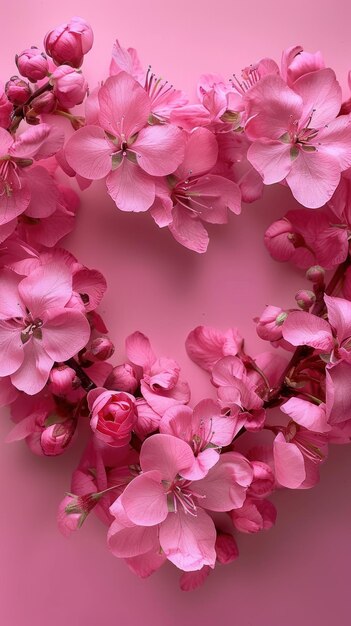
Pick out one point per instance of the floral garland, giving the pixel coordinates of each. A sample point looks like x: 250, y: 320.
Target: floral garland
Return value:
x: 172, y: 482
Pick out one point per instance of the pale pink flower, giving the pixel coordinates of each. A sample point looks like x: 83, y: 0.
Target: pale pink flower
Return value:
x: 112, y: 416
x: 205, y: 429
x: 159, y: 377
x: 160, y: 507
x: 36, y: 327
x: 297, y: 135
x: 69, y: 42
x: 125, y: 149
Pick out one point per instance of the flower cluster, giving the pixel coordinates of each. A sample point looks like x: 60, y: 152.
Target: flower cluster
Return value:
x: 171, y: 481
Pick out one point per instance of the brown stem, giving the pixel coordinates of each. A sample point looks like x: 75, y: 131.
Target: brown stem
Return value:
x: 18, y: 113
x: 86, y: 382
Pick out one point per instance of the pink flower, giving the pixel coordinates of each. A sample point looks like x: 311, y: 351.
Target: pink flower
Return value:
x: 160, y: 507
x: 124, y: 148
x: 195, y: 195
x: 269, y: 325
x: 32, y: 64
x: 17, y: 90
x: 159, y: 377
x: 56, y: 437
x: 36, y: 327
x: 68, y: 43
x: 18, y: 188
x: 112, y: 416
x: 298, y: 136
x: 206, y: 345
x: 70, y: 86
x: 296, y: 62
x: 123, y: 378
x: 205, y: 429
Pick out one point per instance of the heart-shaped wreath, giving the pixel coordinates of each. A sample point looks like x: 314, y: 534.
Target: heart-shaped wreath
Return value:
x: 171, y: 482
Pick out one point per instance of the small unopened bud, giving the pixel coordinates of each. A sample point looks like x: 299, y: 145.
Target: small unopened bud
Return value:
x: 315, y: 274
x: 123, y: 378
x: 45, y: 103
x: 270, y: 323
x: 61, y: 380
x: 100, y: 349
x: 32, y: 64
x: 17, y: 90
x: 305, y: 299
x: 55, y: 439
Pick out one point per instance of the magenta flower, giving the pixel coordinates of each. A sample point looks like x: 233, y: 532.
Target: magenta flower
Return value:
x: 124, y: 148
x: 68, y: 43
x: 162, y: 508
x: 297, y: 135
x: 36, y: 326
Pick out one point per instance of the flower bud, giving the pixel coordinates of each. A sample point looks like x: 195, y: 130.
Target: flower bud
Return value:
x: 55, y: 438
x: 254, y: 515
x: 263, y: 480
x: 73, y: 510
x: 100, y: 349
x: 68, y: 43
x: 112, y: 416
x: 6, y: 109
x: 70, y: 86
x: 315, y: 274
x: 226, y: 548
x: 32, y: 64
x: 305, y: 299
x: 61, y: 380
x: 281, y: 240
x: 17, y: 90
x: 45, y: 103
x: 270, y: 323
x: 123, y: 378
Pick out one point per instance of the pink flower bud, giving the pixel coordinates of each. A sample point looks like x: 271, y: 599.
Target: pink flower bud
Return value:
x: 112, y: 416
x: 316, y: 274
x: 55, y: 438
x: 45, y: 103
x: 61, y: 380
x: 100, y: 349
x: 73, y: 510
x: 70, y: 86
x: 254, y: 515
x: 6, y: 109
x: 269, y: 325
x: 68, y: 43
x: 123, y: 378
x: 281, y: 240
x: 305, y: 299
x: 226, y: 548
x: 17, y: 90
x: 32, y: 64
x: 263, y: 480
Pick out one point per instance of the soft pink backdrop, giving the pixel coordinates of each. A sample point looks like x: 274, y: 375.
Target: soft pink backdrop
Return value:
x: 299, y: 573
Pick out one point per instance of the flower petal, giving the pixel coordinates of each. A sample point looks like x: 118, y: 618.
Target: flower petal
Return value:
x: 139, y: 351
x: 144, y: 499
x: 313, y: 178
x: 65, y: 333
x: 159, y: 149
x: 271, y: 159
x: 166, y: 454
x: 188, y: 231
x: 89, y: 153
x: 130, y: 187
x: 201, y: 152
x: 289, y: 463
x: 321, y: 95
x: 33, y: 374
x: 126, y: 542
x: 11, y: 349
x: 124, y: 105
x: 187, y: 541
x: 301, y: 329
x: 47, y: 287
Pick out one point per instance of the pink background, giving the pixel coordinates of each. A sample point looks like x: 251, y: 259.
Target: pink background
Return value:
x: 298, y: 573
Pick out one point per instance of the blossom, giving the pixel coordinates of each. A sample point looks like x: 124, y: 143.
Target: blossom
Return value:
x: 68, y: 43
x: 160, y: 507
x: 297, y: 135
x: 124, y: 148
x: 32, y: 64
x: 206, y: 345
x: 70, y: 86
x: 6, y: 108
x: 36, y: 326
x: 112, y: 415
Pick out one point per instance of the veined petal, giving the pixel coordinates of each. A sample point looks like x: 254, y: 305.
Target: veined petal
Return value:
x: 89, y: 153
x: 11, y: 349
x: 130, y: 541
x: 187, y: 541
x: 65, y: 333
x: 335, y: 140
x: 339, y: 316
x: 11, y: 304
x: 33, y: 374
x: 271, y: 159
x: 144, y: 499
x: 289, y: 463
x: 130, y: 187
x: 301, y: 329
x: 159, y: 149
x: 165, y: 454
x: 49, y: 286
x: 313, y: 178
x: 188, y: 230
x: 124, y: 105
x: 201, y: 152
x: 321, y: 96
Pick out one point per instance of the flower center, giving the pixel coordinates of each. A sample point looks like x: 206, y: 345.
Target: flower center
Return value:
x: 32, y: 328
x: 180, y: 495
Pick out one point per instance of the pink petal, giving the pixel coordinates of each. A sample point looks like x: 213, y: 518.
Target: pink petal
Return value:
x: 125, y: 60
x: 127, y: 542
x: 313, y: 178
x: 7, y: 229
x: 41, y: 141
x: 139, y: 351
x: 226, y: 483
x: 47, y: 287
x: 65, y: 333
x: 339, y: 316
x: 8, y: 393
x: 89, y: 153
x: 44, y: 192
x: 145, y: 500
x: 159, y: 149
x: 306, y: 414
x: 90, y: 283
x: 33, y: 374
x: 271, y: 159
x: 335, y: 140
x: 160, y: 401
x: 187, y: 541
x: 177, y: 421
x: 206, y: 345
x: 11, y: 349
x: 338, y: 393
x: 193, y: 580
x: 165, y: 454
x: 188, y: 231
x: 226, y: 369
x: 203, y: 462
x: 270, y: 107
x: 24, y: 428
x: 130, y: 187
x: 301, y: 329
x: 146, y: 564
x: 161, y: 211
x: 11, y: 304
x: 289, y: 463
x: 201, y: 151
x: 124, y: 105
x: 212, y: 195
x: 17, y: 201
x: 321, y: 94
x: 6, y: 140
